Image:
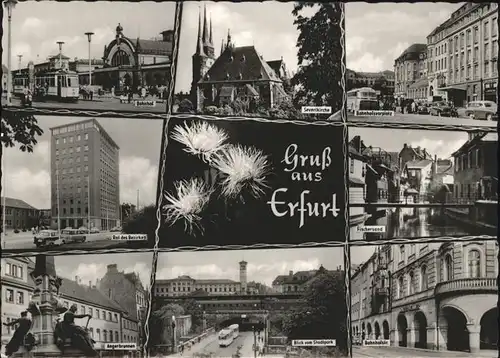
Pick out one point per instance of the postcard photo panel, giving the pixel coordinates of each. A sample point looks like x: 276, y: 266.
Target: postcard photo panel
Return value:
x: 231, y: 182
x: 229, y: 65
x: 437, y: 71
x: 89, y: 305
x: 411, y: 184
x: 250, y: 303
x: 421, y: 299
x: 71, y: 57
x: 78, y: 183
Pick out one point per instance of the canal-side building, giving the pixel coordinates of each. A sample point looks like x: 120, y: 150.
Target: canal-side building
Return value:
x: 439, y: 296
x: 476, y: 168
x: 357, y: 185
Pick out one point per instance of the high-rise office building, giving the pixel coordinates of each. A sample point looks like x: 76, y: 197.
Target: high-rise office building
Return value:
x: 84, y: 176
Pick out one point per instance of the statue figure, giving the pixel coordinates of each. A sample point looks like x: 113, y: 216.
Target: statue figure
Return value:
x: 80, y: 338
x: 21, y: 335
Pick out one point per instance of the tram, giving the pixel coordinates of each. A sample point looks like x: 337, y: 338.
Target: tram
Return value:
x: 228, y: 335
x: 60, y: 85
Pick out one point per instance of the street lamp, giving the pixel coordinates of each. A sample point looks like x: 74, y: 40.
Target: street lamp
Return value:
x: 173, y: 335
x: 89, y: 37
x: 9, y: 5
x: 60, y: 43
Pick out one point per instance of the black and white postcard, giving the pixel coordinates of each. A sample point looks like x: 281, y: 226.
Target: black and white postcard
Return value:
x: 232, y: 182
x: 78, y: 184
x: 73, y: 306
x: 261, y: 59
x: 250, y: 303
x: 425, y: 299
x: 429, y: 64
x: 88, y: 56
x: 422, y: 184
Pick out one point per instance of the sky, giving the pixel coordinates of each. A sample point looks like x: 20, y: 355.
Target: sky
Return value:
x: 376, y: 34
x: 267, y: 25
x: 263, y: 265
x: 28, y: 174
x: 360, y: 254
x: 37, y: 26
x: 440, y: 143
x: 93, y: 266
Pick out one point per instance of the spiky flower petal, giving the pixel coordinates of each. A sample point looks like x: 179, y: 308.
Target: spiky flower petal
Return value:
x: 200, y: 138
x: 244, y: 170
x: 187, y: 203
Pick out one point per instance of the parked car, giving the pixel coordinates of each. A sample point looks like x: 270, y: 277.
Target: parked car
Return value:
x: 94, y: 230
x: 72, y: 235
x: 442, y: 109
x: 484, y: 110
x: 423, y: 109
x: 116, y: 229
x: 46, y: 238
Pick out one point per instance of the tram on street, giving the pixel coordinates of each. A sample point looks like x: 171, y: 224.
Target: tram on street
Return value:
x: 228, y: 335
x: 59, y: 85
x: 362, y: 99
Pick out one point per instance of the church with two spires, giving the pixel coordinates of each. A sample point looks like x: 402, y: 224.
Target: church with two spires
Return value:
x: 236, y: 73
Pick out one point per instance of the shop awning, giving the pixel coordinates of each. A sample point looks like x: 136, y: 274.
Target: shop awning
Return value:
x: 462, y: 87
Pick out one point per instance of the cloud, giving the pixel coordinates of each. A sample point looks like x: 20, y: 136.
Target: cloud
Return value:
x: 376, y: 34
x: 33, y: 26
x: 138, y: 174
x: 443, y: 149
x: 263, y: 273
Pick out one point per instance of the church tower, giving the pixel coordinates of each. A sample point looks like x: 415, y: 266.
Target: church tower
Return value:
x: 203, y: 58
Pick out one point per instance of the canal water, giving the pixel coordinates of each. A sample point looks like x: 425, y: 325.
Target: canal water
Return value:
x: 411, y: 223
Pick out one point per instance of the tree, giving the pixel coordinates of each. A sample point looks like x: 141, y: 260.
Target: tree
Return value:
x: 160, y: 323
x: 323, y: 312
x: 185, y: 106
x: 142, y: 222
x: 319, y: 55
x: 20, y: 128
x: 192, y: 308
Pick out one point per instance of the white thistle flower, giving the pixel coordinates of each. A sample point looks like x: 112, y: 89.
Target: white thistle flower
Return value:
x: 200, y: 138
x: 188, y: 202
x: 243, y: 169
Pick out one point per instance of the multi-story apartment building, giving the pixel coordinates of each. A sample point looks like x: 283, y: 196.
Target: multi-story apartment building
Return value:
x: 476, y: 167
x: 463, y: 55
x: 18, y: 214
x: 440, y: 296
x: 110, y: 321
x: 84, y: 176
x: 409, y: 68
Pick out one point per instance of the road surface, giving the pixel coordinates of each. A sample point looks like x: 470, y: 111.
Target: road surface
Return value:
x: 419, y: 120
x: 390, y: 352
x: 97, y: 105
x: 24, y: 241
x: 211, y: 346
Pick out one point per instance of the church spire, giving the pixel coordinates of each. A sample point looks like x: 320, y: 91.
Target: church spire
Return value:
x: 229, y: 44
x: 199, y: 42
x: 222, y: 47
x: 205, y: 26
x: 211, y: 39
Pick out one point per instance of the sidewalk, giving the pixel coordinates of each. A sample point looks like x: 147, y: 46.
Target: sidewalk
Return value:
x: 197, y: 347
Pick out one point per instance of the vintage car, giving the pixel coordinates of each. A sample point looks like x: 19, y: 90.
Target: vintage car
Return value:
x: 46, y: 238
x: 423, y: 109
x: 484, y: 110
x: 442, y: 109
x: 71, y: 236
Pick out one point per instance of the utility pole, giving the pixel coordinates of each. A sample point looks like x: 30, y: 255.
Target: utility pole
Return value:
x: 137, y: 204
x: 88, y: 203
x: 254, y: 342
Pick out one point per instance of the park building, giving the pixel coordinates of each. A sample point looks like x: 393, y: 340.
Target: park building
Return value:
x: 110, y: 322
x: 462, y: 57
x: 438, y: 296
x: 84, y: 176
x: 295, y: 282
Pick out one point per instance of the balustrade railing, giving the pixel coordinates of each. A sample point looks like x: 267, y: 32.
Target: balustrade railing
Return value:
x: 467, y: 284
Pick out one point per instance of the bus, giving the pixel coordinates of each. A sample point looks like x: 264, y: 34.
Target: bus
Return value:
x: 226, y: 337
x: 60, y: 85
x: 360, y: 99
x: 235, y: 328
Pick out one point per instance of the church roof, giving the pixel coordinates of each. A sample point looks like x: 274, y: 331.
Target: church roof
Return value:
x: 240, y: 63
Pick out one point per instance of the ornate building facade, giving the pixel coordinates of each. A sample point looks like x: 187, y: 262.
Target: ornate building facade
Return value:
x: 237, y: 73
x: 440, y: 296
x: 410, y: 72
